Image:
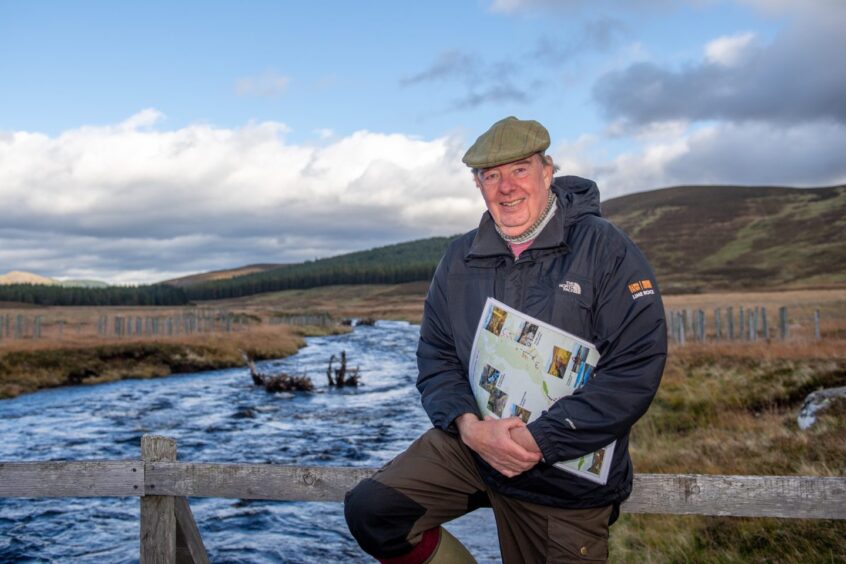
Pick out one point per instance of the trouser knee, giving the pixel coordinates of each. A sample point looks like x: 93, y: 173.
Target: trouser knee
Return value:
x: 380, y: 518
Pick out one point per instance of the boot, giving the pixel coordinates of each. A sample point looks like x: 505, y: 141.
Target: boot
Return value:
x: 450, y: 551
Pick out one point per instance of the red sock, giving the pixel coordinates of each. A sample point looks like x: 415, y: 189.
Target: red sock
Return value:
x: 421, y: 552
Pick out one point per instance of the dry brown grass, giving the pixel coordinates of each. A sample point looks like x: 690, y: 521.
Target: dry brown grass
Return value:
x: 731, y: 408
x: 392, y: 301
x: 31, y: 365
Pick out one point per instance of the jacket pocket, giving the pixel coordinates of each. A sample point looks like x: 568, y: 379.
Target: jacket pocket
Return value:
x: 572, y: 305
x: 576, y: 539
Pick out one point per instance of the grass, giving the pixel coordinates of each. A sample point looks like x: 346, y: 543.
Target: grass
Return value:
x: 723, y: 408
x: 729, y: 409
x: 79, y: 355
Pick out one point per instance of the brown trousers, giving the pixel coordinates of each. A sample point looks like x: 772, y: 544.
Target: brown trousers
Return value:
x: 435, y: 480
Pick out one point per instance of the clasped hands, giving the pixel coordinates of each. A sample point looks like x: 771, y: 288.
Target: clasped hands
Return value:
x: 505, y: 444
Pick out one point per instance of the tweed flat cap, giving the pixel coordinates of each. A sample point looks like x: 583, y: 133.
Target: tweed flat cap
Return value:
x: 507, y: 140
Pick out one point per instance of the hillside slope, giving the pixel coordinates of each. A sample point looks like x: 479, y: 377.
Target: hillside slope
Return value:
x: 720, y: 237
x: 21, y: 277
x: 224, y: 274
x: 698, y: 238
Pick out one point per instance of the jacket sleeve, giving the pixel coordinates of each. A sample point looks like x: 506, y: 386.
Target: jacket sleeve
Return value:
x: 630, y: 335
x: 442, y: 380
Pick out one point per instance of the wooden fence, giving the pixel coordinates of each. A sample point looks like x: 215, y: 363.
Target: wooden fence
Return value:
x: 169, y: 533
x: 737, y: 324
x: 19, y: 326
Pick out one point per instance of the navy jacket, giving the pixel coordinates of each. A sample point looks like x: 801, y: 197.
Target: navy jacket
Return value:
x: 581, y: 274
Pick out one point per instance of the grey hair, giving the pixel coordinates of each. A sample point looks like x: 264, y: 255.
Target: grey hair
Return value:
x: 545, y: 158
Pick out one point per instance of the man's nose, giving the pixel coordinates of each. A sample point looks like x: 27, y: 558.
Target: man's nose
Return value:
x: 505, y: 185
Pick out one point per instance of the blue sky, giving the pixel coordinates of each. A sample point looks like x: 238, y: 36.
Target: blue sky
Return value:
x: 142, y: 140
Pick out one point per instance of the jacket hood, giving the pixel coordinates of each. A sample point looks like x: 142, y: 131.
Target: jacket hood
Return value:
x: 579, y: 197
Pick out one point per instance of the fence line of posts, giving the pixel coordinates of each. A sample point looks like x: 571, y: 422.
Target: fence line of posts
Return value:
x: 22, y: 326
x: 747, y: 324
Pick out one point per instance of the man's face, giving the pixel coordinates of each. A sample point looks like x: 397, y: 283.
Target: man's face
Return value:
x: 516, y: 192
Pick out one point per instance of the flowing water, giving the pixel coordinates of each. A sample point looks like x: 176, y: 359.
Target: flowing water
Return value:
x: 219, y: 416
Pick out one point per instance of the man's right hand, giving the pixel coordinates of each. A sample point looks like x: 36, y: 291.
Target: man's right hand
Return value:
x: 491, y: 439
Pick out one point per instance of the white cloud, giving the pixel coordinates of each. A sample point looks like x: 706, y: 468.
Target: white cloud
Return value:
x: 749, y: 153
x: 324, y: 133
x: 135, y: 202
x: 730, y: 50
x: 269, y: 84
x: 137, y: 198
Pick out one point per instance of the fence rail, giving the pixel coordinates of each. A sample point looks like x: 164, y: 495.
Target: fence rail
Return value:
x: 169, y: 532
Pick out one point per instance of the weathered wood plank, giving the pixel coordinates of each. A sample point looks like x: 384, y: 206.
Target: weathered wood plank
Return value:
x: 801, y: 497
x: 91, y: 478
x: 158, y: 520
x: 189, y: 543
x: 770, y: 496
x: 254, y: 481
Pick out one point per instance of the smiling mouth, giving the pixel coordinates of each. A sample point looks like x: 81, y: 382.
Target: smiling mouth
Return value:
x: 512, y: 204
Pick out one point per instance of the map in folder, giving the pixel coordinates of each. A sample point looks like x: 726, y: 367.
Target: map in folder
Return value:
x: 519, y: 366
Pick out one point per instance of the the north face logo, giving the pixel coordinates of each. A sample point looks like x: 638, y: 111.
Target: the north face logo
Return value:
x: 572, y: 287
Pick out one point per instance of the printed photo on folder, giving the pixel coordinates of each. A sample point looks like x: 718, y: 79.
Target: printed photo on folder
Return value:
x: 519, y: 366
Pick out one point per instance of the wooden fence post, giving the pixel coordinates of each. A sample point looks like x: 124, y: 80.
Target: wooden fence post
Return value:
x: 782, y: 322
x: 730, y: 315
x: 753, y: 324
x: 766, y: 327
x: 169, y: 533
x: 817, y: 334
x: 158, y: 520
x: 717, y: 327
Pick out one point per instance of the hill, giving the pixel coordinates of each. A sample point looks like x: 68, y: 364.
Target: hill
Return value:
x: 225, y: 274
x: 702, y: 238
x: 698, y: 238
x: 20, y: 277
x: 83, y: 284
x: 392, y: 264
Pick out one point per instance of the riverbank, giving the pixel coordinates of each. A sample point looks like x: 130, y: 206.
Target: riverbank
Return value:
x: 37, y: 366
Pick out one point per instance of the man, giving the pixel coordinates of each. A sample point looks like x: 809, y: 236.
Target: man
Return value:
x: 543, y: 249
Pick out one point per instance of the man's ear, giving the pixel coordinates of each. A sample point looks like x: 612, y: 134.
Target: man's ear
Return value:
x: 548, y: 169
x: 476, y: 181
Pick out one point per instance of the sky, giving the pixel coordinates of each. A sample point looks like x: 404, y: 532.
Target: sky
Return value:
x: 141, y: 141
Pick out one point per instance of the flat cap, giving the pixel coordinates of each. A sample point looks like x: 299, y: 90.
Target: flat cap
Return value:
x: 507, y: 140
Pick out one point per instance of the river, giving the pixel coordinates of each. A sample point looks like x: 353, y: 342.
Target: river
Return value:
x: 219, y: 416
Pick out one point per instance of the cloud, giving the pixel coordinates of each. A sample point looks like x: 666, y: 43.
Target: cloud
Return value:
x: 570, y: 7
x: 599, y: 35
x: 137, y: 198
x: 267, y: 85
x: 482, y: 82
x: 796, y: 78
x: 452, y: 64
x: 506, y: 82
x: 751, y: 153
x: 729, y: 51
x: 501, y: 92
